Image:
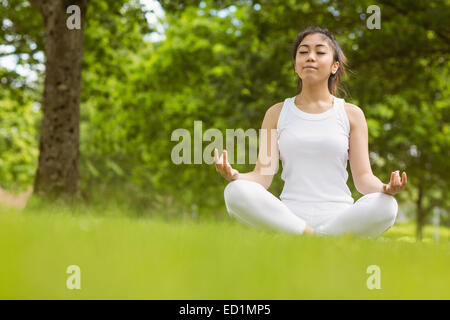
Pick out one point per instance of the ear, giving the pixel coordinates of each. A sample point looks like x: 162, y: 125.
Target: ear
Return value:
x: 335, y: 67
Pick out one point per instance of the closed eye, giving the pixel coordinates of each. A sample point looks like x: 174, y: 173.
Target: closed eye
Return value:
x: 302, y: 52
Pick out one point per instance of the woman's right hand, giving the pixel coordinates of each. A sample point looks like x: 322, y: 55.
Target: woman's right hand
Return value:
x: 223, y: 166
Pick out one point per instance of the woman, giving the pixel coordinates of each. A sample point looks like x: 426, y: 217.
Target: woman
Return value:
x: 317, y: 133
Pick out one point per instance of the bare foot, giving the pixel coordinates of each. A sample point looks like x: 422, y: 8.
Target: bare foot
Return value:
x: 14, y: 201
x: 309, y: 230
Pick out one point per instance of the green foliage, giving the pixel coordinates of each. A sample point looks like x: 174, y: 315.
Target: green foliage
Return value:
x: 226, y: 70
x: 18, y: 139
x: 22, y: 37
x: 22, y: 30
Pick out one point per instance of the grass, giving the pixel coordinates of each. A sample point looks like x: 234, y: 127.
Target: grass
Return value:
x: 148, y: 258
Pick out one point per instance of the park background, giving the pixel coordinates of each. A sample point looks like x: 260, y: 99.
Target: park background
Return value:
x: 151, y: 67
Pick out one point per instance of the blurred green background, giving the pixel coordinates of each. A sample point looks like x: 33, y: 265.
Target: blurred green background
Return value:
x: 151, y: 67
x: 147, y: 228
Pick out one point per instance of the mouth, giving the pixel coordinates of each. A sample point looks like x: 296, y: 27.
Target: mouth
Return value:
x: 309, y: 68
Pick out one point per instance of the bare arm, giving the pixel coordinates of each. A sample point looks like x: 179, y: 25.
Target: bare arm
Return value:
x: 363, y: 177
x: 268, y: 156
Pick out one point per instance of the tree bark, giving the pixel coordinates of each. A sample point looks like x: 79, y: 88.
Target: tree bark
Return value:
x: 58, y: 171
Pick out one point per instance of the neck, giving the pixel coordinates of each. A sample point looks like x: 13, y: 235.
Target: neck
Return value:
x: 314, y: 93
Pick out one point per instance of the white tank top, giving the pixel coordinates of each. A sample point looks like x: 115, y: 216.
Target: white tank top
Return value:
x: 314, y: 153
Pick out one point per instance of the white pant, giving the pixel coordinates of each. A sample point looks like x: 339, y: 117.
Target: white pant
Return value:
x: 249, y: 202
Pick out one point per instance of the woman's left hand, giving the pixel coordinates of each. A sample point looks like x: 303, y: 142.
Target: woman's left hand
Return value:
x: 395, y: 185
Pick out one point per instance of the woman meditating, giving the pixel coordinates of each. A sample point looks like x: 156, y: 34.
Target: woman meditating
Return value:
x: 316, y: 134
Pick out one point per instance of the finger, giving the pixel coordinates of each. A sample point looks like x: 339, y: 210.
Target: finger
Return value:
x: 217, y: 160
x: 230, y: 174
x: 225, y: 157
x: 219, y: 166
x: 392, y: 178
x: 402, y: 183
x: 216, y: 156
x: 404, y: 178
x: 397, y: 178
x: 222, y: 164
x: 395, y: 184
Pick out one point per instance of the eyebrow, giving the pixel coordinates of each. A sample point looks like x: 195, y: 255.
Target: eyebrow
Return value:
x: 317, y: 45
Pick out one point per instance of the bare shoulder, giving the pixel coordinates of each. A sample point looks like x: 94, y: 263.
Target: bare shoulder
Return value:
x: 354, y: 113
x: 275, y: 109
x: 273, y: 113
x: 353, y: 109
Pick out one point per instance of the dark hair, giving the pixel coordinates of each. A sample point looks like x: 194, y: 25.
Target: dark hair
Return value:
x: 338, y: 55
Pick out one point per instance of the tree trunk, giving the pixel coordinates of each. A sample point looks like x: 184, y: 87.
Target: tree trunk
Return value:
x: 420, y: 214
x: 58, y: 173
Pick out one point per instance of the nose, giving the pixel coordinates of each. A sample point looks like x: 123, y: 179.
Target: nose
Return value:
x: 311, y: 57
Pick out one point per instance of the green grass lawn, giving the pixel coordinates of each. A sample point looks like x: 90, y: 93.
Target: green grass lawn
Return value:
x: 148, y: 258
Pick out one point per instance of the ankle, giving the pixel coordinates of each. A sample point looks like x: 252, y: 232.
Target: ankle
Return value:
x: 309, y: 230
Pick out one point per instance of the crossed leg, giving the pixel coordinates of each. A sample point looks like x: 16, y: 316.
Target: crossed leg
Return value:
x: 250, y: 203
x: 370, y: 216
